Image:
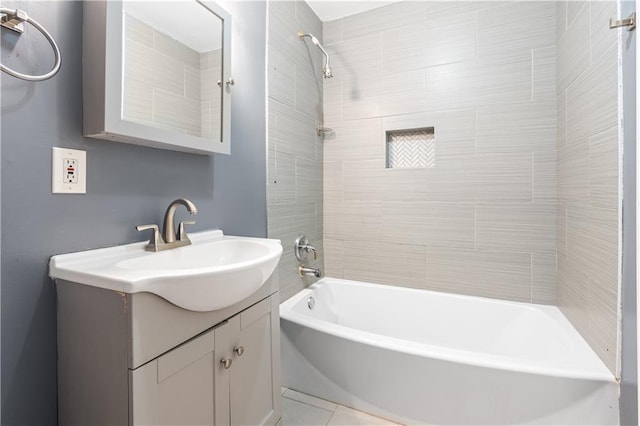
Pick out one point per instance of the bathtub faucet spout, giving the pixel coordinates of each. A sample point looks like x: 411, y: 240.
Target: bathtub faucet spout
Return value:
x: 309, y: 272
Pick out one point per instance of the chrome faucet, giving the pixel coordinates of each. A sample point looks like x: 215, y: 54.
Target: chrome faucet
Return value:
x: 168, y: 231
x: 301, y: 248
x: 304, y: 271
x: 169, y: 239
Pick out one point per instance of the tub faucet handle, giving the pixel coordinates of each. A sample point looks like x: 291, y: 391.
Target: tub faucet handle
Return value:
x: 310, y: 248
x: 302, y: 247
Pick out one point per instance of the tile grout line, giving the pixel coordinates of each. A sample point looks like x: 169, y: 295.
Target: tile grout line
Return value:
x: 311, y: 405
x: 333, y: 412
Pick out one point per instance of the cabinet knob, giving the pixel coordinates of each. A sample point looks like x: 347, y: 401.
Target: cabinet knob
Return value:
x: 228, y: 83
x: 226, y: 363
x: 239, y: 350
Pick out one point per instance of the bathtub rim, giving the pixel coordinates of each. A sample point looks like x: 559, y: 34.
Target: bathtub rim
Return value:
x: 461, y: 356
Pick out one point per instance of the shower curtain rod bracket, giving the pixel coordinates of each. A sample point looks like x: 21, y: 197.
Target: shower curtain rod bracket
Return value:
x: 629, y: 22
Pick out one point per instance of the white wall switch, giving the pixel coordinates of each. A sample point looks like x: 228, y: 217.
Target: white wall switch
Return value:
x: 68, y: 171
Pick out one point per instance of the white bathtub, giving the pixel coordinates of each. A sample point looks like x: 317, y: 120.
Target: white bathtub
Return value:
x: 421, y: 357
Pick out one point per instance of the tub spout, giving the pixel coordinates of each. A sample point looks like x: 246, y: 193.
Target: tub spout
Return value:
x: 309, y: 272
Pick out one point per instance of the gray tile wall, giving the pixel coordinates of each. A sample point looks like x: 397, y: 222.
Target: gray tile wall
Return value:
x: 588, y: 219
x: 294, y: 181
x: 482, y: 220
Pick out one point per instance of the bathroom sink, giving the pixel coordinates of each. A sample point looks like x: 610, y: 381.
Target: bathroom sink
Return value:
x: 214, y: 272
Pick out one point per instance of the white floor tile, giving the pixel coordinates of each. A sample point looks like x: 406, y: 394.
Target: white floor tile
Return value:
x: 299, y: 409
x: 344, y: 416
x: 296, y: 413
x: 311, y: 400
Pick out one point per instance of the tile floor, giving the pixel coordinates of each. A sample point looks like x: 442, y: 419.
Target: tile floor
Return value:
x: 299, y: 409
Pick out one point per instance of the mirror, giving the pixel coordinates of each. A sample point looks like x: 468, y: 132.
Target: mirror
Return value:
x: 165, y: 74
x: 170, y: 70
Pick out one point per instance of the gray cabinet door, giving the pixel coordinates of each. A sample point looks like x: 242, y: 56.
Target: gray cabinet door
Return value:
x: 250, y: 378
x: 193, y: 385
x: 177, y: 388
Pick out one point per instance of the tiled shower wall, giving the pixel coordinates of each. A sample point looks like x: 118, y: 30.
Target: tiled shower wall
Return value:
x: 588, y: 192
x: 480, y: 219
x: 294, y: 181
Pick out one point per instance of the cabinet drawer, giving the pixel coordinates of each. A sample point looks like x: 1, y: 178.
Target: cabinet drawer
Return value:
x: 185, y: 354
x: 254, y: 313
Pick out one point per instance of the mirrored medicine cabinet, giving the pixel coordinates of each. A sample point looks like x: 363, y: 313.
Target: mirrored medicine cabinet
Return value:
x: 158, y: 74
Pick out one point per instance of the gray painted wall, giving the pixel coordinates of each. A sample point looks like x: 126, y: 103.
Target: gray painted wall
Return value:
x: 126, y: 185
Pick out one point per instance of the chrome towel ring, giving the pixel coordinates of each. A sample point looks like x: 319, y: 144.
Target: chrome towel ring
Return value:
x: 13, y: 19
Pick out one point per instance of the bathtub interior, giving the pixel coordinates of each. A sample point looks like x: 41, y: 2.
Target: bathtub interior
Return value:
x: 421, y: 357
x: 415, y: 390
x: 472, y: 329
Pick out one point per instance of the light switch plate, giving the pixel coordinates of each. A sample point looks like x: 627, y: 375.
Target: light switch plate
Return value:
x: 68, y: 171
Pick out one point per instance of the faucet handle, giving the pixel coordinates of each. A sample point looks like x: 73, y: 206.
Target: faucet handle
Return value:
x: 309, y: 248
x: 302, y: 248
x: 182, y: 234
x: 156, y: 239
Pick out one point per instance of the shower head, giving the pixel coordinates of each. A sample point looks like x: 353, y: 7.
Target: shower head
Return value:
x: 326, y: 71
x: 326, y: 68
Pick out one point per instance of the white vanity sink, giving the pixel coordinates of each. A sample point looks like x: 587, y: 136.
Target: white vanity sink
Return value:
x: 214, y: 272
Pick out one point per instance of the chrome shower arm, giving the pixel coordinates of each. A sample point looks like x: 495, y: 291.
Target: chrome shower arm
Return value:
x: 326, y: 69
x: 317, y: 43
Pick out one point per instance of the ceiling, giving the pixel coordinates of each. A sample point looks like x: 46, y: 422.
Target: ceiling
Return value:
x: 329, y: 10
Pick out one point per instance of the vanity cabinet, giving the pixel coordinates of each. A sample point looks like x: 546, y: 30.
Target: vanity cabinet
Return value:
x: 119, y: 363
x: 177, y: 387
x: 221, y: 377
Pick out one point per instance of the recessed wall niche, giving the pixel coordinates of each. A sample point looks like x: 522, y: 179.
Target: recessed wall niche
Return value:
x: 411, y: 149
